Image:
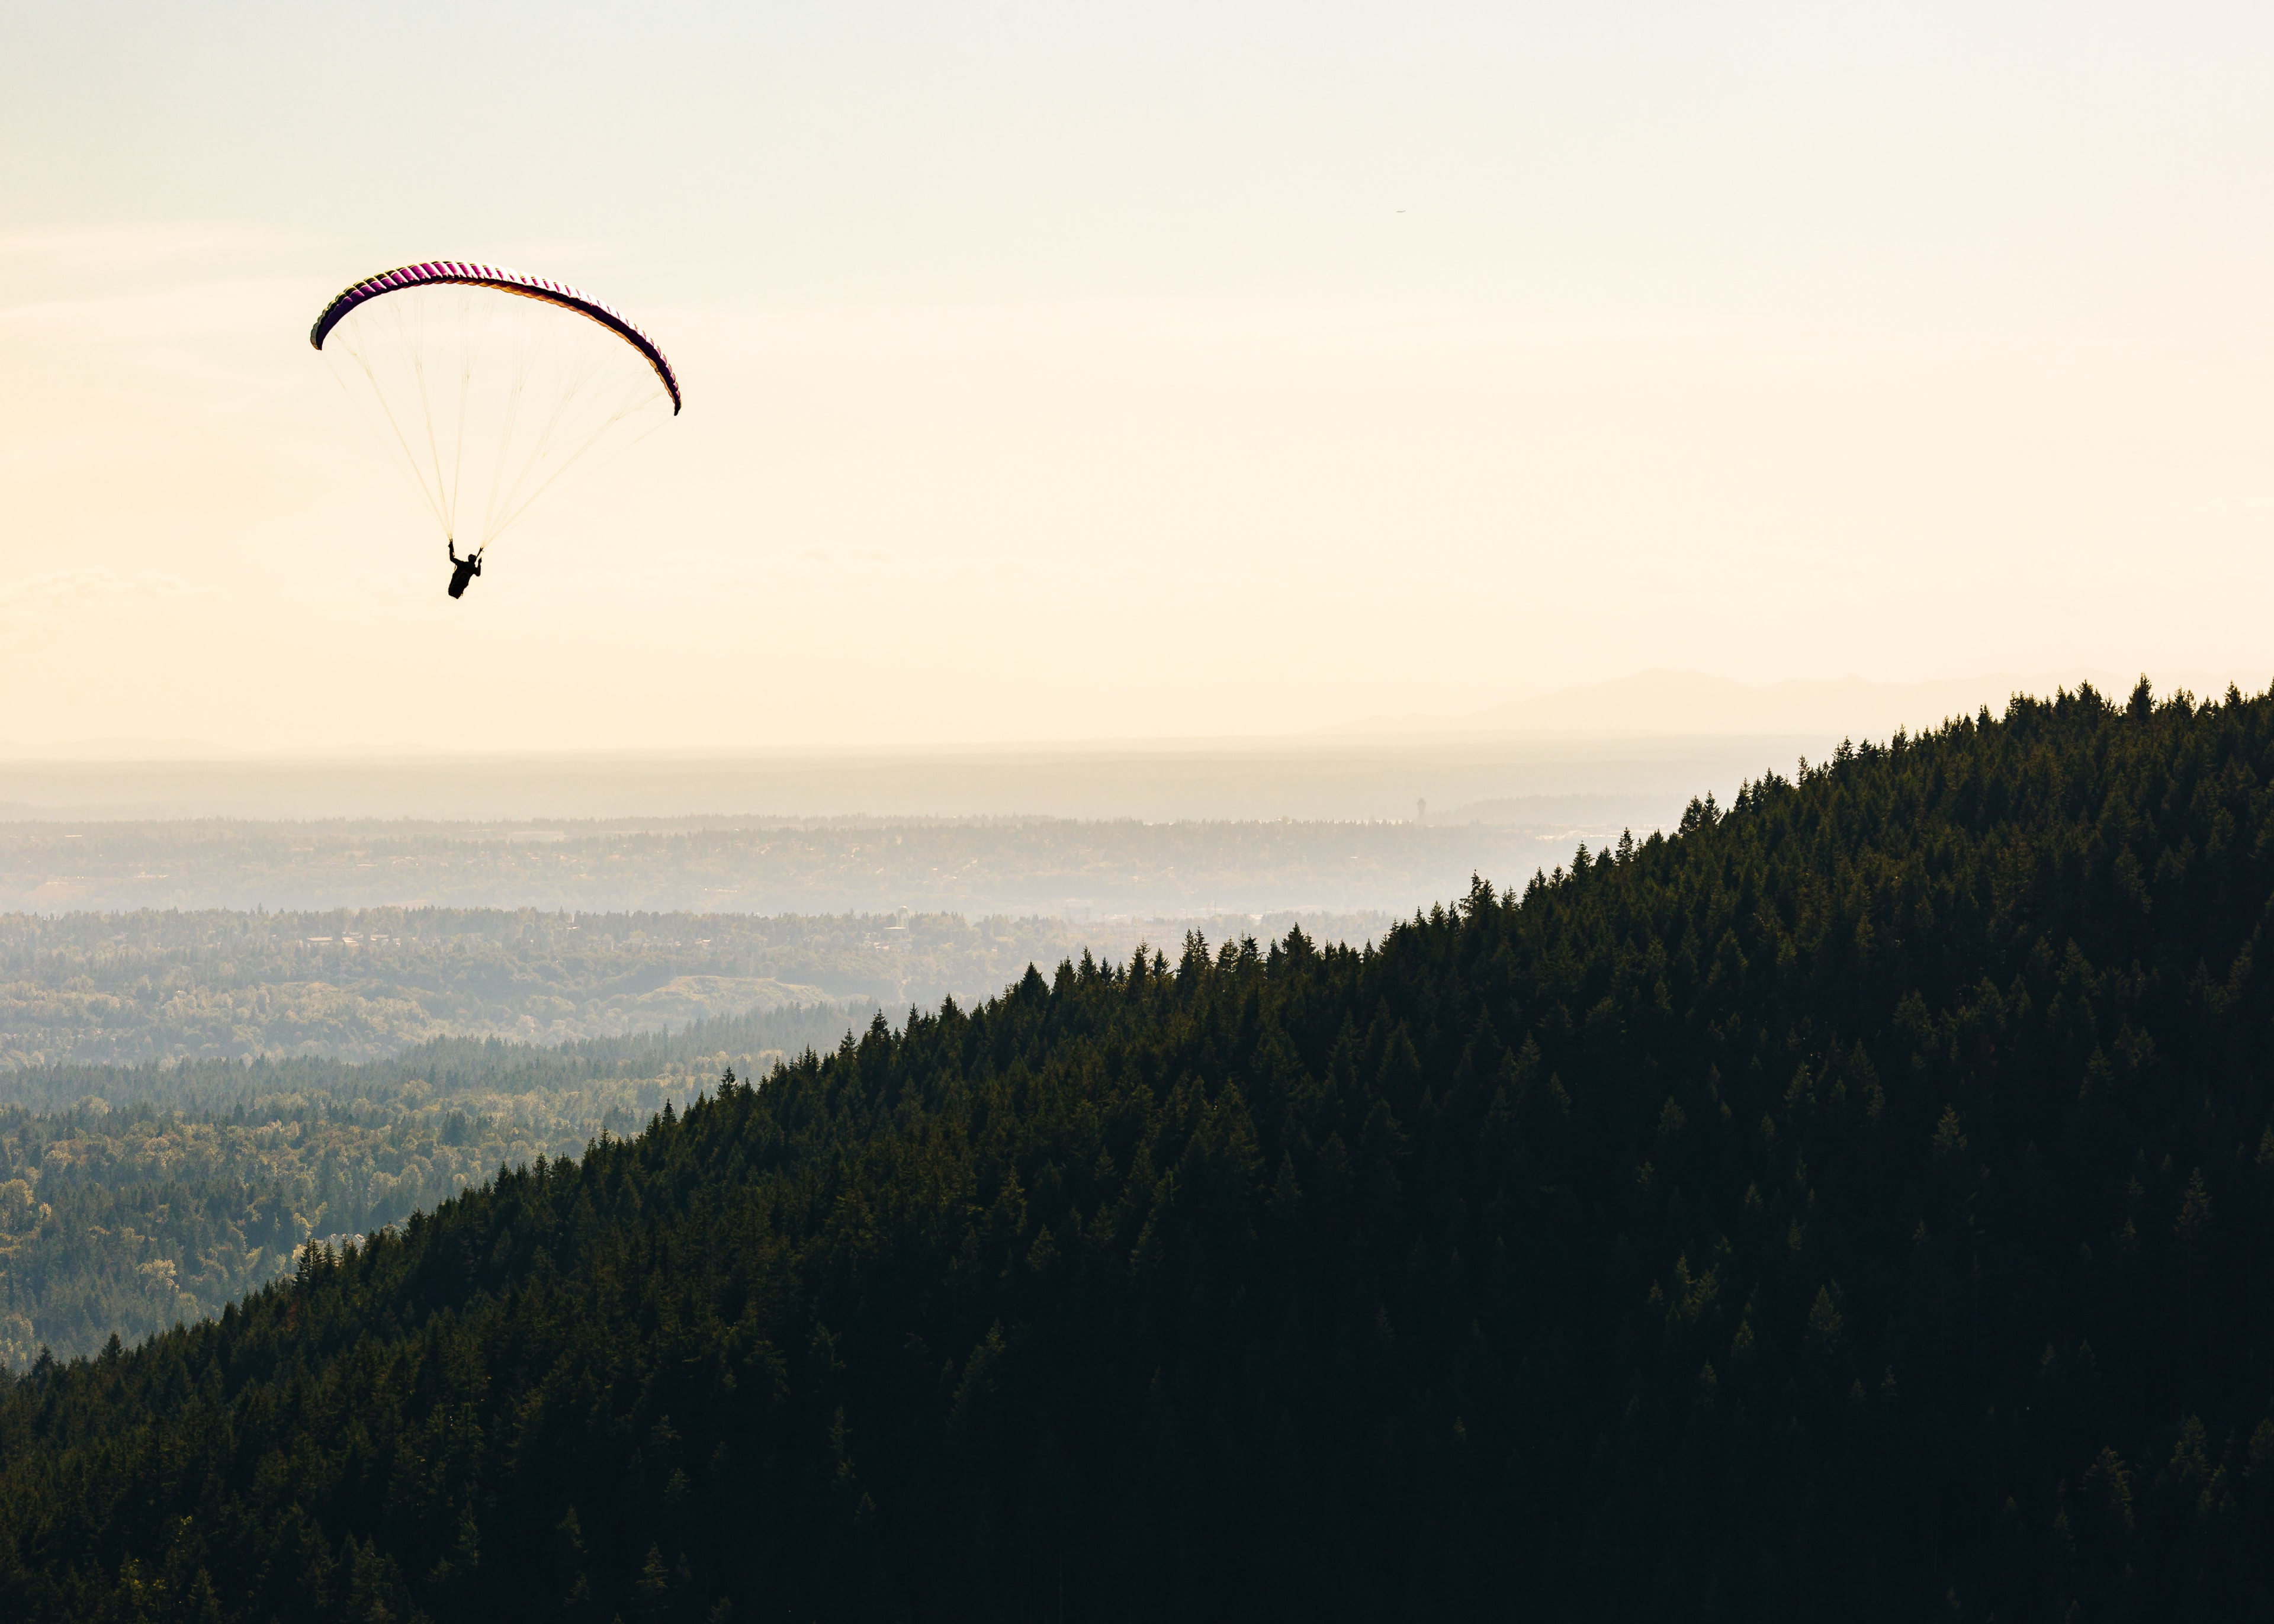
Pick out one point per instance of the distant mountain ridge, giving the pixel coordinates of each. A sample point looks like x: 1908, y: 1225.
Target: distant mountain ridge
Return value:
x: 1665, y: 703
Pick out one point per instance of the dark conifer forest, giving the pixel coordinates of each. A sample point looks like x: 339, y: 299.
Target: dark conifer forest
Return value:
x: 1850, y: 1206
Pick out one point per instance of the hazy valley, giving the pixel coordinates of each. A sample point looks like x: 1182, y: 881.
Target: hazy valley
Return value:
x: 363, y: 983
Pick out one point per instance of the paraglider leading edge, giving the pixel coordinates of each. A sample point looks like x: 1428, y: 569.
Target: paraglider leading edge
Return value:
x: 436, y: 271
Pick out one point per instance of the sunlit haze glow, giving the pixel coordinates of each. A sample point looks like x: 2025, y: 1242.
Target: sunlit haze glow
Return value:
x: 1073, y: 371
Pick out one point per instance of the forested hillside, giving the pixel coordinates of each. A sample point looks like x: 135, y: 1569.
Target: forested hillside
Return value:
x: 1847, y: 1207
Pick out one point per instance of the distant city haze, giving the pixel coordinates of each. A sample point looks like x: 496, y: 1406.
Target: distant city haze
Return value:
x: 1076, y: 372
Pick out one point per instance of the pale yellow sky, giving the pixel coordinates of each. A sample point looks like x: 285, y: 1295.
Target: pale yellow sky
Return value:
x: 1064, y: 373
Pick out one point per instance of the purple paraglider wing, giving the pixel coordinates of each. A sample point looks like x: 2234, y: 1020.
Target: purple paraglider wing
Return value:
x: 437, y: 271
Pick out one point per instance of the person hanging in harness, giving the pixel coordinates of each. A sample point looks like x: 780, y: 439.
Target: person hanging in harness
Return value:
x: 462, y: 570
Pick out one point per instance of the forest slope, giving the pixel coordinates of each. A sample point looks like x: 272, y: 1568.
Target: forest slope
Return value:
x: 1847, y: 1207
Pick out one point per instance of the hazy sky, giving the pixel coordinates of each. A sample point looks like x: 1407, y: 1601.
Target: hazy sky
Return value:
x: 1060, y: 370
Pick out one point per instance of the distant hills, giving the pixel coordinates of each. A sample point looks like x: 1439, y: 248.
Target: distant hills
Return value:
x: 1308, y: 778
x: 168, y: 985
x: 1639, y: 740
x: 1662, y: 703
x: 1058, y: 868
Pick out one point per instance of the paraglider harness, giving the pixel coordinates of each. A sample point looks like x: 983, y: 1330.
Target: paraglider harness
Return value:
x: 463, y: 569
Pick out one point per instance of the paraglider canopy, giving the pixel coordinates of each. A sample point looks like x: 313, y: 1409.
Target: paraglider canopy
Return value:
x: 491, y: 385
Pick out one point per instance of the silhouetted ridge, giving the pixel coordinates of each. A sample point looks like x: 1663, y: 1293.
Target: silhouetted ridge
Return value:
x: 1848, y: 1208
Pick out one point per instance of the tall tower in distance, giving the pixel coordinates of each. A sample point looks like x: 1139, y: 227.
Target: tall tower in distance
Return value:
x: 1421, y: 811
